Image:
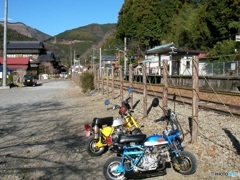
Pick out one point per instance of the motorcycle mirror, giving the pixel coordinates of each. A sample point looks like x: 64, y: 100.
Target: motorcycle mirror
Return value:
x: 107, y: 102
x: 155, y: 102
x: 130, y: 90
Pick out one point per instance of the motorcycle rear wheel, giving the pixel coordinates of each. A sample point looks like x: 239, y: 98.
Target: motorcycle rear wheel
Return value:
x: 109, y: 169
x: 91, y: 148
x: 189, y: 164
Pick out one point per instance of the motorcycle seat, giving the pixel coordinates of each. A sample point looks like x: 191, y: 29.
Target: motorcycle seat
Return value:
x: 131, y: 138
x: 108, y: 121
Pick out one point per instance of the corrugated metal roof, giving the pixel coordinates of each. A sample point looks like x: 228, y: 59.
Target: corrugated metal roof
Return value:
x: 16, y: 67
x: 10, y: 61
x: 172, y: 48
x: 161, y: 48
x: 16, y: 63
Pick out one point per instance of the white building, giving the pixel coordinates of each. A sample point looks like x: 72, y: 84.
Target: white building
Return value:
x: 179, y: 60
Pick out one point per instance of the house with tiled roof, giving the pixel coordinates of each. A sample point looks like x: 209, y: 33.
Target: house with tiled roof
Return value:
x: 35, y: 51
x: 27, y: 56
x: 27, y: 49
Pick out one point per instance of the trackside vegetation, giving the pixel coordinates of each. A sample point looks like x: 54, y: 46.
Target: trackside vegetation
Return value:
x: 87, y: 81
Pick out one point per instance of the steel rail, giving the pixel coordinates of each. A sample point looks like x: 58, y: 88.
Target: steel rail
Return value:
x: 227, y: 103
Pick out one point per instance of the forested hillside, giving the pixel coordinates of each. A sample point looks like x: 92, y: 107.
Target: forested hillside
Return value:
x: 28, y: 31
x: 82, y: 40
x: 207, y: 24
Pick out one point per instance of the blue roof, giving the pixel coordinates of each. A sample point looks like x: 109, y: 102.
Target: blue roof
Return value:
x: 109, y: 58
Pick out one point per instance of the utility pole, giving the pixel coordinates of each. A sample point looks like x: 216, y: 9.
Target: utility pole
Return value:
x: 71, y: 58
x: 74, y: 60
x: 93, y: 58
x: 100, y: 60
x: 4, y: 74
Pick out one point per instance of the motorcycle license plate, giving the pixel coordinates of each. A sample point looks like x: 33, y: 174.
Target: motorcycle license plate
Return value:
x: 88, y: 133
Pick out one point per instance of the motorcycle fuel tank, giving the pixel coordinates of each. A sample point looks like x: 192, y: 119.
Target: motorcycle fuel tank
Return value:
x: 107, y: 131
x: 119, y: 122
x: 155, y: 140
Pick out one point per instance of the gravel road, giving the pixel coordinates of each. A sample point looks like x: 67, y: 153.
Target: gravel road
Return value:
x: 43, y: 137
x: 42, y: 133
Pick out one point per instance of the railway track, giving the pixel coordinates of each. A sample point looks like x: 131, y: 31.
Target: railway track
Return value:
x: 227, y: 103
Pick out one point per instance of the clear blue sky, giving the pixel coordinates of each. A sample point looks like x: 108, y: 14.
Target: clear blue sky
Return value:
x: 55, y: 16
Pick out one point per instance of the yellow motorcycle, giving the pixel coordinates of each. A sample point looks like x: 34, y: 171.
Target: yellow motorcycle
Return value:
x: 104, y: 131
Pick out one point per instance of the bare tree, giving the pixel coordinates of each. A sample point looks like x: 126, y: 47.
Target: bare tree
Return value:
x: 18, y: 76
x: 47, y: 68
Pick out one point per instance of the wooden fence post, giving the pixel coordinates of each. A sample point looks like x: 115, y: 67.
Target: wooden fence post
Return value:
x: 165, y: 86
x: 95, y: 79
x: 102, y: 79
x: 195, y: 99
x: 98, y: 80
x: 112, y: 81
x: 144, y: 90
x: 107, y: 82
x: 131, y: 83
x: 121, y: 83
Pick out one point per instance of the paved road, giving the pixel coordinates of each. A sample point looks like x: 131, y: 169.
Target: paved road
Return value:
x: 42, y: 134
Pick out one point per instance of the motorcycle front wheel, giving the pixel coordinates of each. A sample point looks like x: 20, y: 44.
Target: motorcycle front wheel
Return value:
x: 92, y: 149
x: 188, y: 165
x: 109, y: 169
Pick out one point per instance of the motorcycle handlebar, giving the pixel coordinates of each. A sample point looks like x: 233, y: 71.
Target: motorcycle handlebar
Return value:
x: 113, y: 107
x: 160, y: 119
x: 127, y: 99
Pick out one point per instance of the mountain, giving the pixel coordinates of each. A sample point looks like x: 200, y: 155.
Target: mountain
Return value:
x: 28, y: 31
x: 83, y: 40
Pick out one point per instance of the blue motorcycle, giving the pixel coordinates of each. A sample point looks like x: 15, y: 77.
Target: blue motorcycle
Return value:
x: 140, y: 156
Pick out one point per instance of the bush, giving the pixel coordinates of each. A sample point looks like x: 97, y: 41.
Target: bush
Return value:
x: 10, y: 78
x: 87, y: 81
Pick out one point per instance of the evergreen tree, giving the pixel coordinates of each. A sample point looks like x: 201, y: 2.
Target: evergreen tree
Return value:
x: 192, y: 24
